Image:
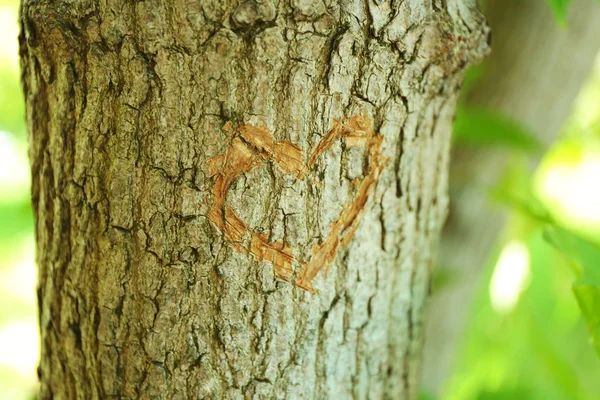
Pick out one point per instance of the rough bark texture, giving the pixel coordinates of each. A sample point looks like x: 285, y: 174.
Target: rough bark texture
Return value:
x: 534, y: 75
x: 143, y: 292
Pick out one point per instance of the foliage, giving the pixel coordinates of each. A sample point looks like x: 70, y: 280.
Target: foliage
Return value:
x: 559, y: 9
x: 539, y: 348
x: 585, y: 259
x: 11, y: 103
x: 482, y: 127
x: 536, y: 350
x: 515, y: 191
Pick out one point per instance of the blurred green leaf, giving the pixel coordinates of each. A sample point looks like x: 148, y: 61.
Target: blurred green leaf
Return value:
x: 559, y: 9
x: 563, y: 376
x: 481, y: 127
x: 443, y: 277
x: 525, y: 203
x: 588, y: 298
x: 515, y: 190
x: 507, y: 393
x: 17, y: 219
x: 426, y: 396
x: 12, y: 114
x: 583, y: 254
x: 585, y: 257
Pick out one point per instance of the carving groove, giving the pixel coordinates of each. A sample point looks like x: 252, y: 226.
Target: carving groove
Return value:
x: 251, y: 147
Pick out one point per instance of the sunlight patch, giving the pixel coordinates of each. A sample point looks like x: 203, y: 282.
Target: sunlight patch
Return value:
x: 19, y: 347
x: 572, y: 188
x: 511, y: 276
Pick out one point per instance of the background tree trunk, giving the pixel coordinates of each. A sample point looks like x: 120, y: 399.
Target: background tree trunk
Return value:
x: 534, y: 75
x: 157, y: 254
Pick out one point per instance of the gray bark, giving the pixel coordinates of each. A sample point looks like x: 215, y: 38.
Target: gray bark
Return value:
x: 198, y: 166
x: 535, y: 72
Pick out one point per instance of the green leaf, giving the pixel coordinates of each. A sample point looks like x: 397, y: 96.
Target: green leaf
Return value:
x: 17, y: 219
x: 12, y: 114
x: 426, y: 396
x: 482, y: 127
x: 585, y: 256
x: 559, y: 9
x: 588, y: 298
x: 503, y: 393
x: 514, y: 189
x: 443, y: 277
x: 525, y: 203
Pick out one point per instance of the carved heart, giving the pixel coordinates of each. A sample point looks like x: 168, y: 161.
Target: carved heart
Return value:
x: 250, y: 147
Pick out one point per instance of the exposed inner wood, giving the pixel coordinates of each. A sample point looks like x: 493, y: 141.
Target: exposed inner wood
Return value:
x: 252, y: 146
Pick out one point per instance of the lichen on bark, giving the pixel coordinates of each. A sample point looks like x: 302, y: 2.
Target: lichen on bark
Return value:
x: 141, y: 295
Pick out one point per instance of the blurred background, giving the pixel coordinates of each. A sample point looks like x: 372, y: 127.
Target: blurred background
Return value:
x: 19, y: 345
x: 509, y: 315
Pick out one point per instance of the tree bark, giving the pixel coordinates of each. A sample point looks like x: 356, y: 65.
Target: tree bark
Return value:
x: 534, y: 75
x: 239, y: 199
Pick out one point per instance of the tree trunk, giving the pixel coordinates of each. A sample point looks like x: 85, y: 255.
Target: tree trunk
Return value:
x: 239, y: 199
x: 536, y: 71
